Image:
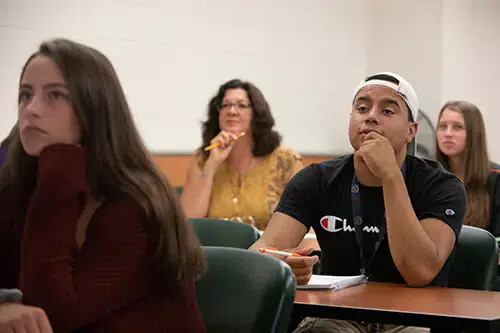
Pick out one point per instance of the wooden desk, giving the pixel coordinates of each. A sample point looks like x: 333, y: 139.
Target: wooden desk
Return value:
x: 444, y: 309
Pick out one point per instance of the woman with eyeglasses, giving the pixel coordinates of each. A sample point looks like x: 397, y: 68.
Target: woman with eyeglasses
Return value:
x: 462, y: 149
x: 242, y: 178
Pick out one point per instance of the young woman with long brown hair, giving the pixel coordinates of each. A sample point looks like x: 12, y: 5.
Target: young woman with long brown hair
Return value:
x: 78, y: 158
x: 462, y: 149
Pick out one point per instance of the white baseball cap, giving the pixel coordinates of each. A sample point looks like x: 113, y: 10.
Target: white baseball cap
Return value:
x: 398, y: 84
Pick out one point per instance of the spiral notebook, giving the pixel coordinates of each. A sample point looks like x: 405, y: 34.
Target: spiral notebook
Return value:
x: 333, y: 282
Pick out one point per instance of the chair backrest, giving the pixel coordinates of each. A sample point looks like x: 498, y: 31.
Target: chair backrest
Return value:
x: 244, y: 291
x: 215, y: 232
x: 475, y: 260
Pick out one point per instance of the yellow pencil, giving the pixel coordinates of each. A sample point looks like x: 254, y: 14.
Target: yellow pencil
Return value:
x: 217, y: 144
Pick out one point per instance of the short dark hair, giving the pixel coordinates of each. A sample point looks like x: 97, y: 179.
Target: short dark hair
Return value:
x: 390, y: 78
x: 265, y: 139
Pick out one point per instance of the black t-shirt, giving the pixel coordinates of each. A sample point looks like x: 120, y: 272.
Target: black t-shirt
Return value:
x: 494, y: 180
x: 319, y: 196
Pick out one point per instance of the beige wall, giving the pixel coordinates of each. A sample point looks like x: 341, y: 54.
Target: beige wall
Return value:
x: 172, y: 55
x: 307, y: 56
x: 405, y: 36
x: 471, y: 60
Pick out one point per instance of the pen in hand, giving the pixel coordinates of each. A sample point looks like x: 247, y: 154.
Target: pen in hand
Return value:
x: 217, y: 144
x: 280, y: 253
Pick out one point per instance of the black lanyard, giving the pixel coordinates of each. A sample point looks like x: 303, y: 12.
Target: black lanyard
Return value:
x: 357, y: 213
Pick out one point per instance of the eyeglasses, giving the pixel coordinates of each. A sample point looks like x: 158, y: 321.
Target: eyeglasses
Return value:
x: 239, y: 106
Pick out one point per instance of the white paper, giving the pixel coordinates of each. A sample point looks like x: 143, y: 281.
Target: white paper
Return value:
x: 332, y: 282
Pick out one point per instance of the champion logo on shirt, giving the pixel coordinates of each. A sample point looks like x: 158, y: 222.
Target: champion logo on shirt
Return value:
x: 449, y: 212
x: 335, y: 224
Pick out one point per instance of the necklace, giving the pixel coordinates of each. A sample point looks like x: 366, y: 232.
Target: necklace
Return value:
x: 236, y: 193
x: 236, y: 190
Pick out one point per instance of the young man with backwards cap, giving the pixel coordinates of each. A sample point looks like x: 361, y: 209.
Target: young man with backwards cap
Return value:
x: 378, y: 212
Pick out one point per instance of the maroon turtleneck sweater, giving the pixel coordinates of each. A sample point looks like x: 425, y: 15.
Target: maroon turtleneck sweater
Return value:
x: 110, y: 285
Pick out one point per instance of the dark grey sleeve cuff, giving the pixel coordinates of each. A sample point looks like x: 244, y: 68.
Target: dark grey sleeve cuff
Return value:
x: 11, y: 296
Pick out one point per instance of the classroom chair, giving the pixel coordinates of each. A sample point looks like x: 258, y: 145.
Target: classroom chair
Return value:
x: 244, y: 291
x: 475, y: 260
x: 217, y: 232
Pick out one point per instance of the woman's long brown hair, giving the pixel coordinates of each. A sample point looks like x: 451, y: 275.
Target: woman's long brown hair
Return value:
x: 5, y: 142
x: 477, y: 164
x: 118, y: 164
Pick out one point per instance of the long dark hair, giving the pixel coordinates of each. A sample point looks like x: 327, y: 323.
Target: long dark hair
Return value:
x: 477, y: 164
x: 118, y: 164
x: 13, y: 132
x: 265, y: 139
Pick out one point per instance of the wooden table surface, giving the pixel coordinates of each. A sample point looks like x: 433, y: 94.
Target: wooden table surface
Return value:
x: 441, y: 308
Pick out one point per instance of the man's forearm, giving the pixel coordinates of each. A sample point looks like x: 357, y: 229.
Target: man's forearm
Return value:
x: 413, y: 252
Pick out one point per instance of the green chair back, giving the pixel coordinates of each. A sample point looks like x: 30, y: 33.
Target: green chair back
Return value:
x: 215, y: 232
x: 244, y: 291
x: 475, y: 260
